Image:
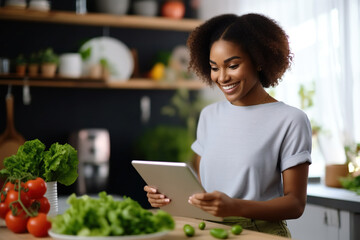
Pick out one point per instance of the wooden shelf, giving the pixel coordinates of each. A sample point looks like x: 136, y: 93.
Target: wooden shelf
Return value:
x: 138, y: 83
x: 99, y: 19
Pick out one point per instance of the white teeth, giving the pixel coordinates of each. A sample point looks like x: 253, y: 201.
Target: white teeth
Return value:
x: 229, y: 86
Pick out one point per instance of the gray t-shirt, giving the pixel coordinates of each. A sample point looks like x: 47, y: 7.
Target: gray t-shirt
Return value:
x: 244, y: 149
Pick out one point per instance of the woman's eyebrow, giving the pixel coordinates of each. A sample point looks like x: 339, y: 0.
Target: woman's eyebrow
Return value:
x: 226, y: 60
x: 231, y: 58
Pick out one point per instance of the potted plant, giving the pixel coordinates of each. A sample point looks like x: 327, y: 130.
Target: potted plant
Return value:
x: 34, y: 62
x: 21, y: 65
x: 49, y: 63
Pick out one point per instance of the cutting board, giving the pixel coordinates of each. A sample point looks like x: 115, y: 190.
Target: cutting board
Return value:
x: 10, y: 139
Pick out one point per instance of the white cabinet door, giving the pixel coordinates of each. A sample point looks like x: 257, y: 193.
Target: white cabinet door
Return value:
x: 321, y: 223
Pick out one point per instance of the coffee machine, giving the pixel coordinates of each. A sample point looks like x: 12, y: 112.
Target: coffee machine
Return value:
x: 93, y: 146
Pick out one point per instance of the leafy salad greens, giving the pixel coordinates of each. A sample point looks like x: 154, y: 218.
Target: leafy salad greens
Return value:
x: 58, y: 163
x: 105, y: 216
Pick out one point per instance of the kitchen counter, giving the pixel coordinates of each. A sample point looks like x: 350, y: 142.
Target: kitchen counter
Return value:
x: 176, y: 234
x: 339, y: 198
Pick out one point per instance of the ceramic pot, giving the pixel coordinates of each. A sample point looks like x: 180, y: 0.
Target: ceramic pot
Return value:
x: 333, y: 172
x: 52, y: 195
x: 21, y: 70
x: 33, y: 70
x: 48, y: 70
x: 70, y: 65
x: 147, y: 8
x: 119, y: 7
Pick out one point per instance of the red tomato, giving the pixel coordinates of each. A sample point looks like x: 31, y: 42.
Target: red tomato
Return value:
x: 4, y: 208
x: 173, y: 9
x: 9, y: 186
x: 39, y: 226
x: 36, y: 188
x: 43, y: 204
x: 17, y: 224
x: 13, y: 195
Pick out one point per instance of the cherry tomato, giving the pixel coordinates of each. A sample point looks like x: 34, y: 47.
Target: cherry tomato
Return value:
x: 9, y: 186
x: 4, y: 208
x: 39, y: 226
x: 17, y: 224
x: 2, y: 196
x: 36, y: 188
x: 13, y: 195
x: 43, y: 204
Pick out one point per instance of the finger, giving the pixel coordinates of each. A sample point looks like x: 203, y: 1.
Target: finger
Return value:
x: 204, y: 196
x: 150, y: 189
x: 159, y: 202
x: 155, y: 195
x: 200, y: 203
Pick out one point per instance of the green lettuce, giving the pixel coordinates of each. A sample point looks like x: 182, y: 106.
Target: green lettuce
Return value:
x: 27, y: 160
x: 105, y: 216
x: 59, y: 163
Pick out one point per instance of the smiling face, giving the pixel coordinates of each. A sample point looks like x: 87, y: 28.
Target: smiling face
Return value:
x: 234, y: 73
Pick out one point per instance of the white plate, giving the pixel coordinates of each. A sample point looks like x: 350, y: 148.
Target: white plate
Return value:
x: 157, y: 235
x: 115, y: 52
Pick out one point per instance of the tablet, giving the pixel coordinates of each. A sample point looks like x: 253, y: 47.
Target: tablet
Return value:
x: 177, y: 181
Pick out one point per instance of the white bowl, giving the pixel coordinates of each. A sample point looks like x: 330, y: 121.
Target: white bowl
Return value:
x: 146, y: 7
x: 119, y: 7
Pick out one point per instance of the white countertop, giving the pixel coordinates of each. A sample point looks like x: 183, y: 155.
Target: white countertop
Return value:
x: 320, y: 194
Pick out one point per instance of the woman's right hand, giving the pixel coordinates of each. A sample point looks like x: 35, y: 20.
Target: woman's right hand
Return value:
x: 155, y: 198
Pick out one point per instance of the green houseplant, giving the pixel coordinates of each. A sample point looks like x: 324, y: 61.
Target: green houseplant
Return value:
x: 49, y: 63
x: 34, y: 62
x: 21, y: 63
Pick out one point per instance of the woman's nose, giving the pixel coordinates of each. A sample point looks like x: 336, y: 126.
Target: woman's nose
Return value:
x: 223, y: 76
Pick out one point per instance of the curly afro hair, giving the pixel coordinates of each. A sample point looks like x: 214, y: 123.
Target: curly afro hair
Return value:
x: 260, y: 37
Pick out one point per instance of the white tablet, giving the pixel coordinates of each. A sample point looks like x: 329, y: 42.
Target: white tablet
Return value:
x: 177, y: 181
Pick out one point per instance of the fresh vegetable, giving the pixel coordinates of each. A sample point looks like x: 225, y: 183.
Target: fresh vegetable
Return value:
x: 4, y: 208
x: 236, y: 229
x: 41, y: 204
x: 189, y: 230
x: 36, y: 188
x: 38, y: 226
x: 219, y: 233
x: 16, y: 223
x: 104, y: 216
x: 12, y: 196
x: 351, y: 183
x: 17, y: 207
x: 202, y: 225
x: 59, y: 163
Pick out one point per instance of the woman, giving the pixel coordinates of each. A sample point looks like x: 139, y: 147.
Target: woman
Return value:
x: 254, y: 151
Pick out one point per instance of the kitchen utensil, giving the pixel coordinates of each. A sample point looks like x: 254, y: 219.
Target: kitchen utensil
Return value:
x: 81, y: 7
x: 93, y: 146
x: 114, y: 53
x: 4, y: 66
x: 10, y: 140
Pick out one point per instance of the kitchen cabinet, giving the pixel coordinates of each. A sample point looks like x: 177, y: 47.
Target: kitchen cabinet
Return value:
x: 321, y: 223
x: 104, y: 20
x: 330, y: 213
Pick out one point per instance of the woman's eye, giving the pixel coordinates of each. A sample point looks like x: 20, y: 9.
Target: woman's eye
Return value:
x: 214, y: 69
x: 234, y: 66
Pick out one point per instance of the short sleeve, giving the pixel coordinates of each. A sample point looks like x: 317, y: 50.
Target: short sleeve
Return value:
x: 296, y: 147
x: 198, y: 145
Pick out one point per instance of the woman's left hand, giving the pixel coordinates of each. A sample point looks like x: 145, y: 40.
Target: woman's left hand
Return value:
x: 216, y: 203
